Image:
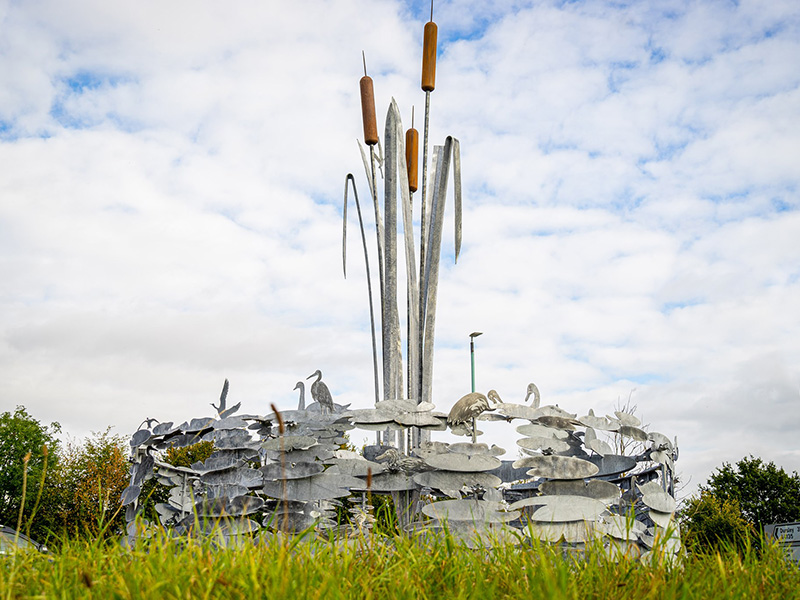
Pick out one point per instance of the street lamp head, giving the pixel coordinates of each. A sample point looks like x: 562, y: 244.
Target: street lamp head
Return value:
x: 475, y: 334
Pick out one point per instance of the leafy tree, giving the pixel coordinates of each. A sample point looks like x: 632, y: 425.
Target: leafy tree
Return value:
x: 736, y: 503
x: 710, y: 522
x: 765, y: 493
x: 88, y: 484
x: 188, y: 455
x: 21, y: 434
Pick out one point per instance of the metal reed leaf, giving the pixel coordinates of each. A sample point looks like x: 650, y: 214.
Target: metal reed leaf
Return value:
x: 350, y: 179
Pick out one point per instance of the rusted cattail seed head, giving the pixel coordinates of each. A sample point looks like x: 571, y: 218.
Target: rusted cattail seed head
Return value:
x: 412, y: 153
x: 279, y: 416
x: 429, y: 57
x: 368, y: 111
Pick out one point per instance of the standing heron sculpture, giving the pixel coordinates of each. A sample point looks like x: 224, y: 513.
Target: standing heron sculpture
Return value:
x: 301, y: 404
x: 469, y: 407
x: 320, y: 392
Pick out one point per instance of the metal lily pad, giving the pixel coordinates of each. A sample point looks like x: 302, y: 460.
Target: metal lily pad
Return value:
x: 627, y: 419
x: 232, y: 423
x: 633, y: 432
x: 291, y: 470
x: 368, y: 416
x: 551, y: 410
x: 317, y: 487
x: 227, y: 490
x: 479, y: 448
x: 140, y: 437
x: 130, y: 494
x: 387, y: 426
x: 602, y: 423
x: 555, y: 422
x: 612, y: 464
x: 418, y: 419
x: 216, y: 463
x: 479, y: 511
x: 569, y: 508
x: 388, y: 482
x: 317, y: 452
x: 356, y: 467
x: 535, y: 430
x: 660, y: 441
x: 598, y: 489
x: 661, y: 502
x: 517, y: 411
x: 541, y: 443
x: 571, y: 531
x: 289, y: 442
x: 201, y: 424
x: 164, y: 428
x: 662, y: 519
x: 244, y: 505
x: 455, y: 461
x: 557, y: 467
x: 620, y: 527
x: 451, y: 482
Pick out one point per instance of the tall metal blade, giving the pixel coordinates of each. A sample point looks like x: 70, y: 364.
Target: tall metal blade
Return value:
x: 352, y: 181
x: 390, y: 330
x: 457, y: 192
x: 410, y: 255
x: 432, y: 268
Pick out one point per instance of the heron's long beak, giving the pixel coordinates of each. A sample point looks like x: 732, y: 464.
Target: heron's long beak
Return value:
x: 312, y: 375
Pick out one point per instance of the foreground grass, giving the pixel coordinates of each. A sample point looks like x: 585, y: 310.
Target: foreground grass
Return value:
x: 397, y: 568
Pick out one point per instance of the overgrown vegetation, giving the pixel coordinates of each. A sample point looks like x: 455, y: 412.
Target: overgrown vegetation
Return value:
x: 393, y: 567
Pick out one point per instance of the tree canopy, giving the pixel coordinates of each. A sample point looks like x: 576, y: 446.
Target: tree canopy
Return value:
x: 765, y: 493
x: 737, y: 501
x: 21, y: 434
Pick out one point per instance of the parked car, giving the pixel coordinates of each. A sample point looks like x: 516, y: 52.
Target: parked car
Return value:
x: 11, y: 539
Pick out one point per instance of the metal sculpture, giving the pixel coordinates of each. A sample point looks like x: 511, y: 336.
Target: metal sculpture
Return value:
x: 320, y: 392
x: 288, y: 470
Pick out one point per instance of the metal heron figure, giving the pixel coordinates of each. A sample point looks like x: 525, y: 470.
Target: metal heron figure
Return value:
x: 301, y: 405
x: 320, y: 392
x: 396, y: 461
x: 469, y: 407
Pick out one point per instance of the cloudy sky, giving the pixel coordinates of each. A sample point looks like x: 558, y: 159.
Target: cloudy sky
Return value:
x: 170, y: 208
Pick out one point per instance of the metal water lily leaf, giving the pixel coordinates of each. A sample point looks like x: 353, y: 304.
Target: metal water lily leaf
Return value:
x: 317, y: 487
x: 289, y: 442
x: 542, y: 443
x: 534, y: 430
x: 569, y: 508
x: 451, y: 482
x: 456, y: 461
x: 479, y: 511
x: 557, y: 467
x: 604, y: 491
x: 291, y: 470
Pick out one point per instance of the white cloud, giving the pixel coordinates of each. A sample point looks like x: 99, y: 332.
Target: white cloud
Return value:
x: 172, y: 185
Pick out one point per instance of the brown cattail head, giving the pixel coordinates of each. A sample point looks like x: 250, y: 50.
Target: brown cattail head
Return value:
x: 279, y: 416
x: 429, y: 57
x: 412, y: 153
x: 368, y: 111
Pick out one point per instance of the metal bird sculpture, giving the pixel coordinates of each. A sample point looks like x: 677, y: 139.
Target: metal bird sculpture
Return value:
x: 397, y: 461
x: 534, y: 391
x: 468, y: 408
x: 301, y: 404
x: 221, y: 410
x: 320, y: 392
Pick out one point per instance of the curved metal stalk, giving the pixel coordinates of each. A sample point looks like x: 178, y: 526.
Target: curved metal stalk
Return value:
x: 369, y: 167
x: 352, y: 180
